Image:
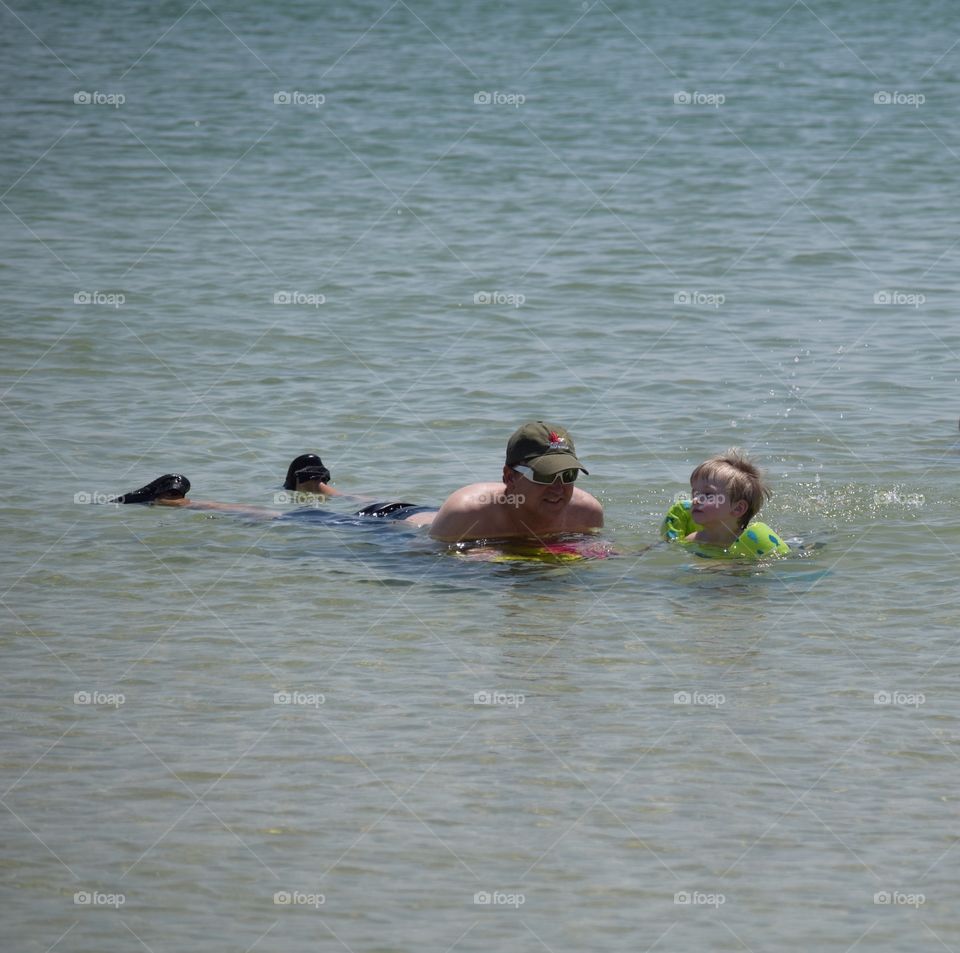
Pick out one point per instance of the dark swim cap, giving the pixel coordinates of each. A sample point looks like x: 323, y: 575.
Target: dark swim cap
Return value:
x: 308, y: 466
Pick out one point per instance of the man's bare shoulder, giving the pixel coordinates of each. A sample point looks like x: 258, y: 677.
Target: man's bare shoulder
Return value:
x: 466, y: 512
x: 474, y: 496
x: 586, y: 510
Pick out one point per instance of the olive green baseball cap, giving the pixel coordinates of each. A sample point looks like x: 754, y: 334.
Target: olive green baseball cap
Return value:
x: 545, y: 448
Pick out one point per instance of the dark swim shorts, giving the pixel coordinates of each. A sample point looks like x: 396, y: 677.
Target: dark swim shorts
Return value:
x: 378, y: 510
x: 394, y: 511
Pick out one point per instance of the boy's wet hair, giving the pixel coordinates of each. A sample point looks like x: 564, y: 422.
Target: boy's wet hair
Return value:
x: 742, y: 479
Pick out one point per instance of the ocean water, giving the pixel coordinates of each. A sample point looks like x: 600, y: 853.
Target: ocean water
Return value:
x: 391, y: 233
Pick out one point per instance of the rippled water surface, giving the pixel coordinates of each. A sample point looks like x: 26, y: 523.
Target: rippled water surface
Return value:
x: 672, y: 231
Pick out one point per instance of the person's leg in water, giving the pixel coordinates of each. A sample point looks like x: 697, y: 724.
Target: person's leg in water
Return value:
x: 171, y: 489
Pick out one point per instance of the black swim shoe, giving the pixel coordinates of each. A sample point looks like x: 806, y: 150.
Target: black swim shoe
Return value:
x: 308, y: 466
x: 170, y: 486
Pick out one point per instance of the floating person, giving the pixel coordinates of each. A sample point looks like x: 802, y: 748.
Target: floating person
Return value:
x: 536, y: 497
x: 727, y: 492
x: 306, y: 475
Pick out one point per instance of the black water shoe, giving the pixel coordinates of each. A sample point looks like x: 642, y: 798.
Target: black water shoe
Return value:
x: 170, y: 486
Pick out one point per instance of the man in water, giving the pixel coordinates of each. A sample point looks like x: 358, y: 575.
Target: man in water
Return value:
x: 536, y: 497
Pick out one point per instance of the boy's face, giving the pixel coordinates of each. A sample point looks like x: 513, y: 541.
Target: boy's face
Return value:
x: 712, y: 505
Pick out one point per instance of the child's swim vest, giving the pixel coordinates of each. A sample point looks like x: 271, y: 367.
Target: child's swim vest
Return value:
x: 755, y: 541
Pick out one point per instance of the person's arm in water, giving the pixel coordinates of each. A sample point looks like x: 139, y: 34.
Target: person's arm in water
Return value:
x: 318, y: 488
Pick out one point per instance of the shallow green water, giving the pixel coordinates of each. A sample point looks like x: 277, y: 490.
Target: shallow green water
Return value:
x: 664, y: 278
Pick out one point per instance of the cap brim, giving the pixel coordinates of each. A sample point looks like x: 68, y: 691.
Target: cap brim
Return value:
x: 550, y: 464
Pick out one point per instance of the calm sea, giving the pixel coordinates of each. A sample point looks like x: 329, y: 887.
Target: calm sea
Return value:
x: 390, y: 233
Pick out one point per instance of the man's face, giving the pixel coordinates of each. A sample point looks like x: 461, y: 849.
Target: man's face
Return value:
x: 545, y: 499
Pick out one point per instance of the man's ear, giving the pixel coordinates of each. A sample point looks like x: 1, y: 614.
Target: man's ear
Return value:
x: 509, y: 475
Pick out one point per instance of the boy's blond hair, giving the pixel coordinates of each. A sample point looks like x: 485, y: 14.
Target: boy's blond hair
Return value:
x: 742, y: 479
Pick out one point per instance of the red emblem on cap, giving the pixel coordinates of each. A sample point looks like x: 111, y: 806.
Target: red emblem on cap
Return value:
x: 556, y: 441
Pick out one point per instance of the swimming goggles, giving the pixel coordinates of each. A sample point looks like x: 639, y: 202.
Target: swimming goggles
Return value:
x: 565, y: 476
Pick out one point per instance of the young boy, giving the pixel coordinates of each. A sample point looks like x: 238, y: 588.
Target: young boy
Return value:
x: 727, y: 492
